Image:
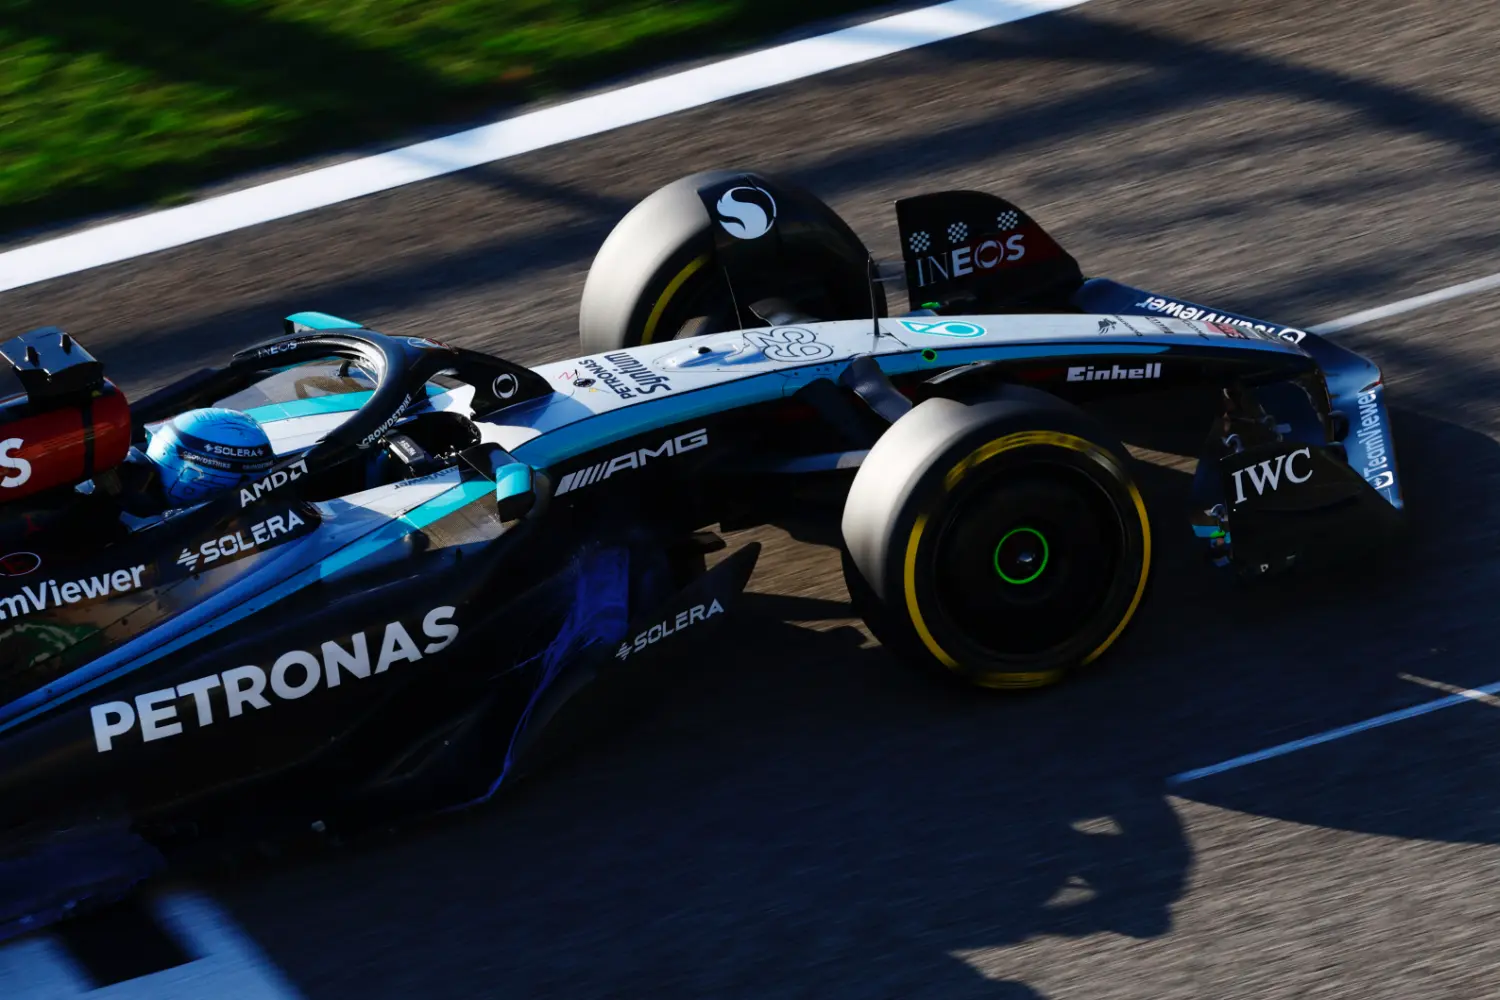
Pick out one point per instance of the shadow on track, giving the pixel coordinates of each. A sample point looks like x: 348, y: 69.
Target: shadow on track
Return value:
x: 805, y: 816
x: 1340, y: 658
x: 802, y: 816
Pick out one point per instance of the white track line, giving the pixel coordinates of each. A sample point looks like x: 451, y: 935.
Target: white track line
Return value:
x: 1484, y: 694
x: 1479, y: 696
x: 1349, y: 322
x: 226, y: 963
x: 229, y: 963
x: 117, y: 241
x: 1281, y: 750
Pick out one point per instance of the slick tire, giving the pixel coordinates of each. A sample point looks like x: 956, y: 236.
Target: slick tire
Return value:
x: 658, y: 277
x: 653, y: 272
x: 1002, y: 543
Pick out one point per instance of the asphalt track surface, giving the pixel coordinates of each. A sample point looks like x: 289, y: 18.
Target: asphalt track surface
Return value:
x: 806, y: 818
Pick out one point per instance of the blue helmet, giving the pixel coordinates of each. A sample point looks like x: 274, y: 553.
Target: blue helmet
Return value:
x: 203, y: 453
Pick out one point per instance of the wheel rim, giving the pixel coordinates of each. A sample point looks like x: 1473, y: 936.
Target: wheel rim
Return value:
x: 1026, y: 564
x: 1022, y: 555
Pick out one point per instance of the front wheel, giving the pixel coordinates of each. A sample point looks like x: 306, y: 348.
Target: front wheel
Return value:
x: 1003, y: 542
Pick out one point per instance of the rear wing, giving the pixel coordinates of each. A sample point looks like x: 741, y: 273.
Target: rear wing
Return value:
x: 51, y: 365
x: 61, y: 420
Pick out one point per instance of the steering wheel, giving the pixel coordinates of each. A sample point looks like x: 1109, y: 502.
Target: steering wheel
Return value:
x: 401, y: 367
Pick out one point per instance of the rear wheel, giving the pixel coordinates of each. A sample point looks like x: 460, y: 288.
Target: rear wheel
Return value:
x: 1003, y: 543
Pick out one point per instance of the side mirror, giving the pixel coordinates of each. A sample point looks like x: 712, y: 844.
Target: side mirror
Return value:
x: 514, y: 494
x: 515, y: 488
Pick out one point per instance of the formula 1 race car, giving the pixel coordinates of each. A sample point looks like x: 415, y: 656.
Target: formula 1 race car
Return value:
x: 452, y: 563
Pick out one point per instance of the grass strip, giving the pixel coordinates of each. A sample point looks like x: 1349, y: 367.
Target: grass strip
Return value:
x: 106, y: 104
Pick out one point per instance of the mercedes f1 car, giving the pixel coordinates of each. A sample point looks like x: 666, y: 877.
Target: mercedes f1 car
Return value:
x: 456, y: 563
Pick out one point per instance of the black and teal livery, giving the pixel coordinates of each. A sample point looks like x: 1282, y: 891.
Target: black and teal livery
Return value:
x: 458, y: 564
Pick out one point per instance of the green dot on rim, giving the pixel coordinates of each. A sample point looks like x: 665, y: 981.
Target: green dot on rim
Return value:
x: 929, y: 355
x: 1039, y: 570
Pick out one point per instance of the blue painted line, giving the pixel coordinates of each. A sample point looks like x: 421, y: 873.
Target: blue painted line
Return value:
x: 1282, y: 749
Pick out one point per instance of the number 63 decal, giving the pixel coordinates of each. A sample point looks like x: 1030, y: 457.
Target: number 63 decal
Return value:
x: 791, y: 345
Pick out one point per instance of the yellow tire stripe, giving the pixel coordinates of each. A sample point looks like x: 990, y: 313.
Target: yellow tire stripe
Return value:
x: 955, y: 475
x: 666, y: 296
x: 910, y: 580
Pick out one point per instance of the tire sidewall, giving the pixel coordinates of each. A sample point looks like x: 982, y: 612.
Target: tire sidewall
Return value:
x: 894, y: 519
x: 661, y: 244
x: 663, y: 266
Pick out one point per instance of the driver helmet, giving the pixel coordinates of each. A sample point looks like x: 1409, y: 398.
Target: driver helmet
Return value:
x: 201, y: 454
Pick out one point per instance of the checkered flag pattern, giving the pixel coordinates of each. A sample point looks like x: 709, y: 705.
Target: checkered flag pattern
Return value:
x: 957, y: 232
x: 920, y: 242
x: 1008, y: 221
